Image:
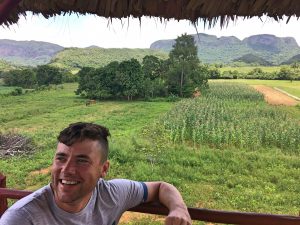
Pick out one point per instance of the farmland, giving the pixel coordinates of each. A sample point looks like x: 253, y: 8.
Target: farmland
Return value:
x: 226, y: 150
x: 224, y: 118
x: 292, y: 88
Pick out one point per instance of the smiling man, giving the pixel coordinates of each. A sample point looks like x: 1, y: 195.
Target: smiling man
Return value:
x: 78, y: 194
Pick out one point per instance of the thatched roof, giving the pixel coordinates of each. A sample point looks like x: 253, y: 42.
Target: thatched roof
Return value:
x: 209, y: 11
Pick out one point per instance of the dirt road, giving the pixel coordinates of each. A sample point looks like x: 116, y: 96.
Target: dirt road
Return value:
x: 274, y: 97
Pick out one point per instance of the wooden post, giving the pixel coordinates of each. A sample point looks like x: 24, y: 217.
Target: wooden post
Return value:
x: 3, y: 200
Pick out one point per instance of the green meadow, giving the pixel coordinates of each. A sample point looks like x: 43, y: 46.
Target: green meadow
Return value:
x: 227, y: 150
x: 5, y: 89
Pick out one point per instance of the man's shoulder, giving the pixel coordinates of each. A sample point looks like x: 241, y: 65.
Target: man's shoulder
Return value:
x: 120, y: 187
x: 23, y: 210
x: 115, y: 183
x: 37, y: 197
x: 121, y: 193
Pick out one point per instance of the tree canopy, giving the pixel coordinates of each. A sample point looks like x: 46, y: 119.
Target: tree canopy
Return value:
x: 185, y: 72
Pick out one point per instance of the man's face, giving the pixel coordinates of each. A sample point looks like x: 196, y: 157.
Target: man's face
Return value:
x: 75, y: 172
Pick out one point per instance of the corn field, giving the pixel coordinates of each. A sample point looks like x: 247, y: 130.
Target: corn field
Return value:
x: 232, y: 115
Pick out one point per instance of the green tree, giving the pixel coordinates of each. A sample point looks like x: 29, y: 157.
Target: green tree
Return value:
x: 285, y: 73
x: 184, y: 62
x: 22, y: 78
x: 85, y: 81
x: 105, y: 81
x: 154, y: 70
x: 29, y: 78
x: 296, y: 71
x: 151, y: 66
x: 110, y: 79
x: 185, y: 71
x: 214, y: 73
x: 9, y: 78
x: 130, y: 78
x: 256, y: 73
x: 68, y: 77
x: 47, y: 75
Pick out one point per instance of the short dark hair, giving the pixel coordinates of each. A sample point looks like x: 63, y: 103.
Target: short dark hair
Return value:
x: 80, y: 131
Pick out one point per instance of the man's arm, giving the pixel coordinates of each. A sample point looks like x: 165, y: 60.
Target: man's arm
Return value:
x: 169, y: 196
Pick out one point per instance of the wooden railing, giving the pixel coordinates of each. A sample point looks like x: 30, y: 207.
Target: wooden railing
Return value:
x: 208, y: 215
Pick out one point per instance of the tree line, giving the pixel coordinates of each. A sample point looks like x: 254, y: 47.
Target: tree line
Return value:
x: 178, y: 75
x: 291, y: 73
x: 36, y: 77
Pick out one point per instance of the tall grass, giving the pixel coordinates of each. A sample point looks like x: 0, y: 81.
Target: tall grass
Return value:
x: 232, y: 115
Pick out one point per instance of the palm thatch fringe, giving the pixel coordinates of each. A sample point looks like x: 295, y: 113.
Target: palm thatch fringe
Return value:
x: 209, y: 11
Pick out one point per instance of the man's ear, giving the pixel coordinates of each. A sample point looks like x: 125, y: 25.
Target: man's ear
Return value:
x: 105, y: 168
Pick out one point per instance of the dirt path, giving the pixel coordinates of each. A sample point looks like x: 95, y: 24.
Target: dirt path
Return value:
x: 274, y: 97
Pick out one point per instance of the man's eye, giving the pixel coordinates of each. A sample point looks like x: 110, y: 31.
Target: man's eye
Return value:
x: 60, y: 158
x: 82, y: 161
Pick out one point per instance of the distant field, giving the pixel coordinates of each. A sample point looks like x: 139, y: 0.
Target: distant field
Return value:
x: 247, y: 69
x: 292, y: 88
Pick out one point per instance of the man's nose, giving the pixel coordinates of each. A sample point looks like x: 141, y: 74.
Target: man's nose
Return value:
x: 69, y: 167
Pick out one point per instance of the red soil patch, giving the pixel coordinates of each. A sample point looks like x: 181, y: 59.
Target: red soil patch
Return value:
x: 134, y: 216
x: 41, y: 171
x: 274, y: 97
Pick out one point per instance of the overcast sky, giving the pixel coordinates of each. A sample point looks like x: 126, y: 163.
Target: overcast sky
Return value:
x: 84, y: 31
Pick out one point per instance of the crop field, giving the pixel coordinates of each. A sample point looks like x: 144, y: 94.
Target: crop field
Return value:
x: 232, y: 115
x: 226, y: 150
x: 292, y: 88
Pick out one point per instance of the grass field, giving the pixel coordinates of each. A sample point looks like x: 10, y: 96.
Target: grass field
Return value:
x: 292, y: 88
x: 5, y: 90
x: 227, y: 177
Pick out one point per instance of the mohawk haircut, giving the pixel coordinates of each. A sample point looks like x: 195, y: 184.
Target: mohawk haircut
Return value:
x: 80, y: 131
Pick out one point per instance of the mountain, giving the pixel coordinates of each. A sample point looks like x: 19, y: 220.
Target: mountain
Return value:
x: 294, y: 59
x: 30, y: 53
x: 256, y: 49
x: 253, y: 60
x: 76, y: 58
x: 212, y: 49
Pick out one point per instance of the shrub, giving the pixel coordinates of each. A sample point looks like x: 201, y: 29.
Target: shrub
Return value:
x: 17, y: 91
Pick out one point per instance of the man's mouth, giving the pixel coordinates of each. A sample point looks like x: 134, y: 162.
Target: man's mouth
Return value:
x: 68, y: 182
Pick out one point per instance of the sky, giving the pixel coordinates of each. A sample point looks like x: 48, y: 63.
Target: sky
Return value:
x: 84, y: 31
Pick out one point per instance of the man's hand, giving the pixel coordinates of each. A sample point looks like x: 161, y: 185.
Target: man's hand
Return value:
x: 169, y: 196
x: 178, y: 217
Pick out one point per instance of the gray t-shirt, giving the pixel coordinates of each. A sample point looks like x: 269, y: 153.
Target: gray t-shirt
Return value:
x: 109, y: 200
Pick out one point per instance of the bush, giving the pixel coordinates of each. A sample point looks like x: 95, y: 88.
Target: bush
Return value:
x: 173, y: 98
x: 17, y: 91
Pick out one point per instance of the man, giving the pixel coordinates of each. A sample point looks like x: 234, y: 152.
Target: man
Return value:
x: 78, y: 195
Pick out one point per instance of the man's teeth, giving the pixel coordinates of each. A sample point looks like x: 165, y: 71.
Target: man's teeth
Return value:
x: 68, y: 182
